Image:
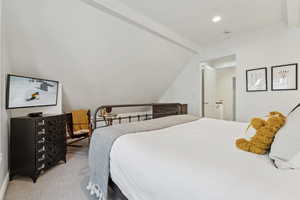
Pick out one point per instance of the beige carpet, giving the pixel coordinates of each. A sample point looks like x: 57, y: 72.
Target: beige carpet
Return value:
x: 63, y: 182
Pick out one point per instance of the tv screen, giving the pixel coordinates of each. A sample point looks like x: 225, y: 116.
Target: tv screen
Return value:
x: 25, y: 92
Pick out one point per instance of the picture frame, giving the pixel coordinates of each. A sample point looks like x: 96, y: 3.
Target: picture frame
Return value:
x: 284, y: 77
x: 257, y: 80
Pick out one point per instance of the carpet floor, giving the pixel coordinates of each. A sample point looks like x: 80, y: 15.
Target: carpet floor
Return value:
x: 62, y: 182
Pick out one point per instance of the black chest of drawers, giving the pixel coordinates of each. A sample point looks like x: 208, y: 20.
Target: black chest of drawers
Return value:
x: 36, y: 144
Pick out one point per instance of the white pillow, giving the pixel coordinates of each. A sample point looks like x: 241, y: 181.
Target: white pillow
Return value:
x: 294, y: 163
x: 286, y: 144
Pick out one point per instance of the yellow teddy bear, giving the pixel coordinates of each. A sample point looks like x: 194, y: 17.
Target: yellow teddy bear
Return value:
x: 266, y: 130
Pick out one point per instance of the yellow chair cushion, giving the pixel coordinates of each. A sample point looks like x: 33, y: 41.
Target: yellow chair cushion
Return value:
x: 80, y: 121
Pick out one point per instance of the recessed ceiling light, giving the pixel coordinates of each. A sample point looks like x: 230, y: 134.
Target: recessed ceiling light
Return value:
x: 216, y: 19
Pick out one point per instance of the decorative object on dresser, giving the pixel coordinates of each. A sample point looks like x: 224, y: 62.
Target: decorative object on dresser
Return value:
x: 36, y: 114
x: 36, y: 144
x: 257, y: 80
x: 84, y: 134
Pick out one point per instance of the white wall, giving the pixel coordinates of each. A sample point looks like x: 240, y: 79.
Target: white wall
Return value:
x: 186, y: 88
x: 98, y: 57
x: 4, y: 118
x: 224, y: 89
x: 271, y: 46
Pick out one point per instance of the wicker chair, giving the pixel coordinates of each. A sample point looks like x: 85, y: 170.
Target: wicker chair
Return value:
x: 77, y: 137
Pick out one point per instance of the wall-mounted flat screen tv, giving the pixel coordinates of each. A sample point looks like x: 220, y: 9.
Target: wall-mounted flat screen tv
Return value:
x: 23, y: 92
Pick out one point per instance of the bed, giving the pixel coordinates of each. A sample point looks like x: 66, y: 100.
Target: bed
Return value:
x: 196, y: 160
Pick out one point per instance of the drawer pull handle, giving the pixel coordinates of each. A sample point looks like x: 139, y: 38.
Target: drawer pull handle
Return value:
x: 42, y: 132
x: 41, y: 141
x: 41, y: 159
x: 41, y: 167
x: 41, y: 123
x: 42, y: 149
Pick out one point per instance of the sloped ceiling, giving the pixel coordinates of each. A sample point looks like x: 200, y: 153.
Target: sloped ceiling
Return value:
x: 98, y: 58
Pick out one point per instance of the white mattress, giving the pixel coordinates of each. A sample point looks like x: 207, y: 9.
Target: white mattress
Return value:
x: 197, y: 161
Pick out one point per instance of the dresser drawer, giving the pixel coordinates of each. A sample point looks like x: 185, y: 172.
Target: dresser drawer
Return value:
x: 40, y: 167
x: 41, y: 158
x: 40, y: 133
x: 40, y: 141
x: 55, y: 121
x: 41, y: 149
x: 41, y: 123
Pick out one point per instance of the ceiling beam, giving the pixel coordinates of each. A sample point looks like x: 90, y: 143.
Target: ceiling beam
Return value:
x: 123, y: 12
x: 293, y: 13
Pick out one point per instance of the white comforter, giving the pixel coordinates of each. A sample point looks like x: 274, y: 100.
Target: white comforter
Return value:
x: 197, y: 161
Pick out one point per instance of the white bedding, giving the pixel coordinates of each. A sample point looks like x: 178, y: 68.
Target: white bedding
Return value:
x: 197, y: 161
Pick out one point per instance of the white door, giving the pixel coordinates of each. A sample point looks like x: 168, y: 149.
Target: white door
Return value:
x: 209, y: 92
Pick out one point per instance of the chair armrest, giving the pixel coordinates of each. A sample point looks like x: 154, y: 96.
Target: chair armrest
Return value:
x: 90, y: 130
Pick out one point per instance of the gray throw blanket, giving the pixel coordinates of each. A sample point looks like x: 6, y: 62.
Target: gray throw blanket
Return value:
x: 103, y: 140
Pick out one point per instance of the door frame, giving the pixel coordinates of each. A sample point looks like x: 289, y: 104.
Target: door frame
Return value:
x: 234, y: 100
x: 203, y: 91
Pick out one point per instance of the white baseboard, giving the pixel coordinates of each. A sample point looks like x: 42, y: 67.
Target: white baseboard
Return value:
x: 4, y: 186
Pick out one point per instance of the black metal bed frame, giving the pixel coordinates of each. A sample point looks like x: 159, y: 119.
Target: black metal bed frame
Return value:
x: 130, y: 118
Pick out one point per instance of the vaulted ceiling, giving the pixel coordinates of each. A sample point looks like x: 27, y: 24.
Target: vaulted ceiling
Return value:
x: 98, y: 58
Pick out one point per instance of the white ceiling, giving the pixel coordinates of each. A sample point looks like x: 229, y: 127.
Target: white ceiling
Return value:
x: 223, y: 62
x: 192, y: 18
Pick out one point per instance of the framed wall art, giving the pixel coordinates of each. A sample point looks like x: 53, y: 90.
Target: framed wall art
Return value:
x: 256, y: 80
x: 284, y: 77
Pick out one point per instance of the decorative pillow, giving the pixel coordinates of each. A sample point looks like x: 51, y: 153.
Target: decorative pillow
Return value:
x: 294, y: 163
x: 286, y: 144
x: 266, y: 130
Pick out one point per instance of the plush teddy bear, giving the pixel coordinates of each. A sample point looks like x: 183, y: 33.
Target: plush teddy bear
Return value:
x: 266, y: 130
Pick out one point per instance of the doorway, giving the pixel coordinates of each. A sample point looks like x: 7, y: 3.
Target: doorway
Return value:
x: 219, y: 88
